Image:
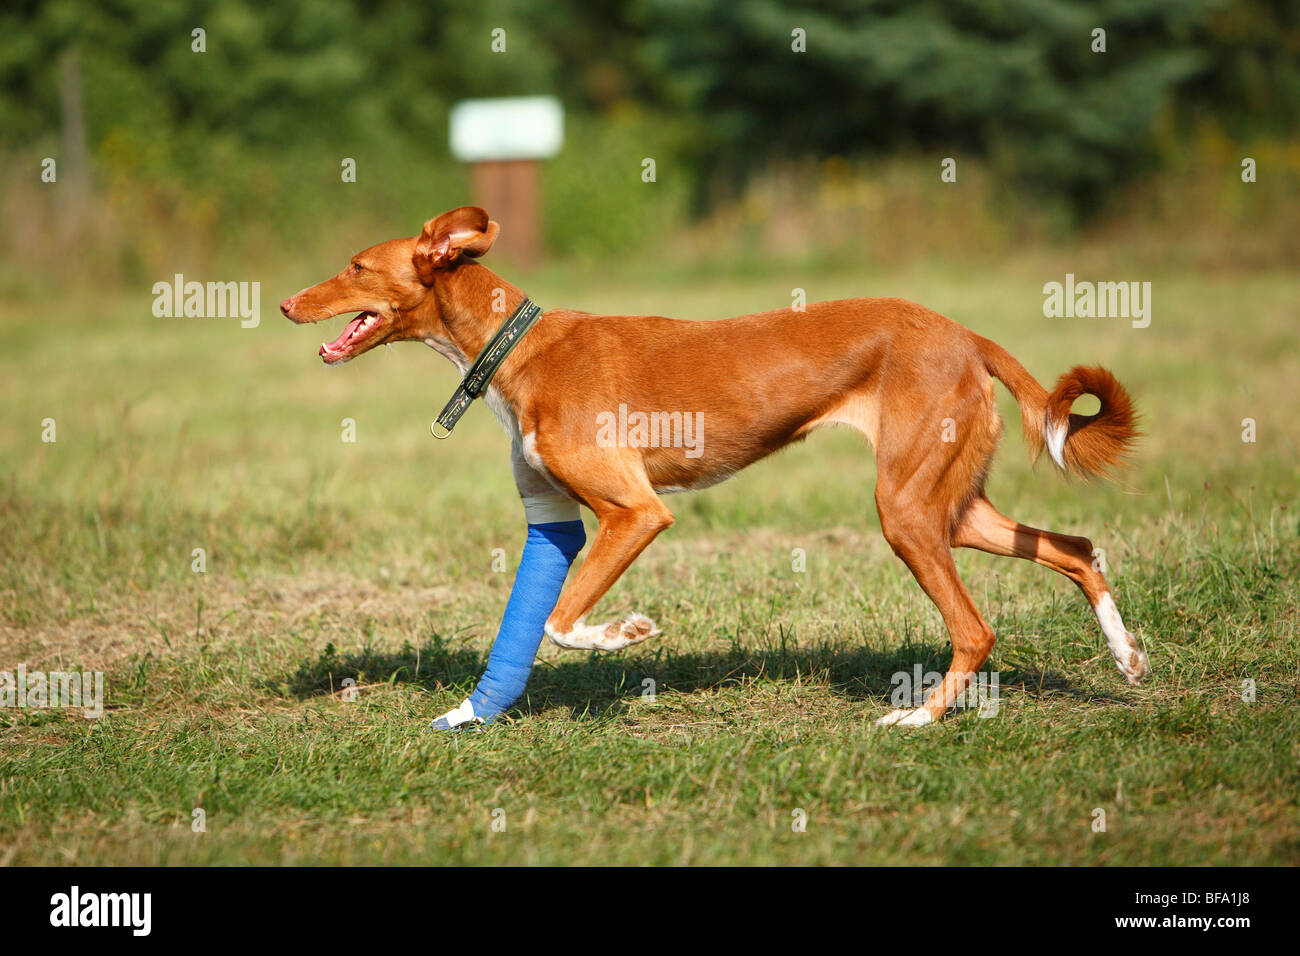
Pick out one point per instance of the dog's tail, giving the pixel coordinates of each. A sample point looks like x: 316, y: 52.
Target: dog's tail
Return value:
x: 1086, y: 445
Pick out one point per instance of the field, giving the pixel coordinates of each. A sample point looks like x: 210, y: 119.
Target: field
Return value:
x: 373, y: 560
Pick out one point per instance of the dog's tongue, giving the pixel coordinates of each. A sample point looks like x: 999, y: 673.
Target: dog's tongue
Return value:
x: 355, y: 324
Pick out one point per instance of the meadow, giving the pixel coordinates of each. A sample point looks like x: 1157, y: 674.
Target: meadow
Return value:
x: 373, y: 561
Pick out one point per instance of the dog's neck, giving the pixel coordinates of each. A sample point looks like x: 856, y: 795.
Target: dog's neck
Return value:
x: 473, y: 302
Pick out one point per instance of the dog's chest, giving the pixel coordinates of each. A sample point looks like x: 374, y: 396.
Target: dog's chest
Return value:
x: 504, y: 414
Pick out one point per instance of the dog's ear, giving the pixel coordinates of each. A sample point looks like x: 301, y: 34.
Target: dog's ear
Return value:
x: 466, y: 231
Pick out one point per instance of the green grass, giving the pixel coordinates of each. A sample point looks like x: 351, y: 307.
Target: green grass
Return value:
x: 372, y: 561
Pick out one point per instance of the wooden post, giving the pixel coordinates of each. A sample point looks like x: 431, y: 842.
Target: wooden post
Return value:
x: 509, y: 190
x: 74, y: 167
x: 503, y: 140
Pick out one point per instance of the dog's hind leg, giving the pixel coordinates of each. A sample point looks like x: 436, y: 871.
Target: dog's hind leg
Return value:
x: 923, y: 545
x: 930, y: 462
x: 982, y: 527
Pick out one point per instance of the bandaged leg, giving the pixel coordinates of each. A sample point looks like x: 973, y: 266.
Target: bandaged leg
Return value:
x: 555, y: 536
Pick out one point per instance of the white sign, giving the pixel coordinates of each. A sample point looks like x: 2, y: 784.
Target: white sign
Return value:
x: 513, y: 127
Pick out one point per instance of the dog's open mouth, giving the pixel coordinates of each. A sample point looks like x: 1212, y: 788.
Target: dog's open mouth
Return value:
x: 362, y: 332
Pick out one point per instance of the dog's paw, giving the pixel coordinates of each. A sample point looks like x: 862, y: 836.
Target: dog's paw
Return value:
x: 613, y: 636
x: 460, y: 718
x: 1129, y: 658
x: 1136, y: 666
x: 906, y: 718
x: 633, y: 629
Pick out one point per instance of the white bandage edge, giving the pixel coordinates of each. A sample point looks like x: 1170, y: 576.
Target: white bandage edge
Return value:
x: 543, y: 502
x: 544, y: 509
x: 464, y: 714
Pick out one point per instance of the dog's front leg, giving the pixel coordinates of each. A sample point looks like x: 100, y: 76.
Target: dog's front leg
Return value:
x: 555, y: 536
x: 630, y: 517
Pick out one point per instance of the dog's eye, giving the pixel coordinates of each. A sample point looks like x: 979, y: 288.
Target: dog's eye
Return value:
x: 358, y: 267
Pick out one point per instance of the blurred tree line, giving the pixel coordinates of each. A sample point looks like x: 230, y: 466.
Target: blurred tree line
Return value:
x: 1022, y: 82
x: 718, y: 89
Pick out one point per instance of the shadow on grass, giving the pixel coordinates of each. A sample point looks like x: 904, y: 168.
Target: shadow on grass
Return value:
x: 600, y: 684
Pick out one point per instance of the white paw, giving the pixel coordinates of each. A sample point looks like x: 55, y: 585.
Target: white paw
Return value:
x: 1131, y: 661
x: 906, y: 718
x: 1136, y: 666
x: 613, y: 636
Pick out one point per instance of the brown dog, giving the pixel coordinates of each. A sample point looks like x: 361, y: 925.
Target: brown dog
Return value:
x: 709, y: 398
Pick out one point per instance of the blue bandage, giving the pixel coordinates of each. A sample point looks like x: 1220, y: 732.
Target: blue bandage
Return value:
x: 548, y: 551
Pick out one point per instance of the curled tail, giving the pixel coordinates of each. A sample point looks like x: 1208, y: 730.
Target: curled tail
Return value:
x: 1086, y: 445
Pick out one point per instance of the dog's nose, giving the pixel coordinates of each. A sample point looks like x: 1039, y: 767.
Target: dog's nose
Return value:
x: 286, y: 305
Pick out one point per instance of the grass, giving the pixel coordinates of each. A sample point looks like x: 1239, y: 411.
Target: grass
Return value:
x: 373, y: 561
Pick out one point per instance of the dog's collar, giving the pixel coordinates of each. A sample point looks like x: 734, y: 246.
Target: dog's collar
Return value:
x: 480, y: 373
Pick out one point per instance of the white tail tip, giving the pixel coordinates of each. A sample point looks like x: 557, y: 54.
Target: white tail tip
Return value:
x: 1054, y: 435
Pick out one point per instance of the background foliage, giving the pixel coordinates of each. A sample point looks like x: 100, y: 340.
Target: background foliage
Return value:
x: 234, y: 150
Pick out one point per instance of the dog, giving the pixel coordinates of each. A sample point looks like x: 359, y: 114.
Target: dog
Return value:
x: 917, y: 385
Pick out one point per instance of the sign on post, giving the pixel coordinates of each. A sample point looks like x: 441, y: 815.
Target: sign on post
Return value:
x: 503, y: 140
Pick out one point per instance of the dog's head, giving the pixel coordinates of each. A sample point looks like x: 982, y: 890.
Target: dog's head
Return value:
x: 393, y: 286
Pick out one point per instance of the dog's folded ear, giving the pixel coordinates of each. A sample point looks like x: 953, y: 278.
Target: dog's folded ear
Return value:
x: 466, y: 231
